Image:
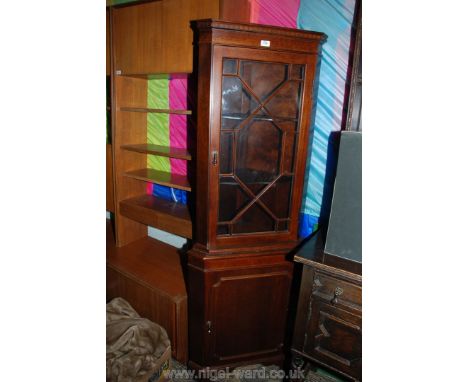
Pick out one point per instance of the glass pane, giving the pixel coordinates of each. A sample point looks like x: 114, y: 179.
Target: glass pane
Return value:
x: 286, y: 101
x: 223, y: 229
x: 231, y: 199
x: 255, y: 219
x: 278, y: 197
x: 263, y: 77
x: 297, y: 72
x: 229, y: 66
x: 258, y: 153
x: 225, y: 153
x: 283, y: 226
x: 237, y: 103
x: 259, y: 150
x: 289, y: 152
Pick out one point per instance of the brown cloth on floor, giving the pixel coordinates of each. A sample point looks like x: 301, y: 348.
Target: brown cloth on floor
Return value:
x: 134, y: 344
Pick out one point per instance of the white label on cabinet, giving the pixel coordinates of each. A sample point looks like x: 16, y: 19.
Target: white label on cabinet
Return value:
x: 265, y: 43
x: 118, y: 72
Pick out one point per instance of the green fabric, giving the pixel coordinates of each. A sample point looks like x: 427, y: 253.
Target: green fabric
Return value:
x: 158, y: 123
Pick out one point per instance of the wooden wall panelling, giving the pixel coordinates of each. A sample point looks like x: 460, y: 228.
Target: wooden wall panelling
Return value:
x: 137, y: 38
x: 237, y: 11
x: 176, y: 37
x: 155, y: 37
x: 109, y: 180
x: 130, y: 128
x: 108, y: 52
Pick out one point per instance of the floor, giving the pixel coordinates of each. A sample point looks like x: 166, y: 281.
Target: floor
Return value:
x: 253, y: 373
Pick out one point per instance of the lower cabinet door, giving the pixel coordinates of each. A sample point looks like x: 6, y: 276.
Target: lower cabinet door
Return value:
x: 247, y: 314
x: 334, y: 338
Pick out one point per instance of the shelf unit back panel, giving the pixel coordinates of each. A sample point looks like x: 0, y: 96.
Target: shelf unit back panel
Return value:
x: 137, y: 31
x: 155, y: 37
x: 108, y: 45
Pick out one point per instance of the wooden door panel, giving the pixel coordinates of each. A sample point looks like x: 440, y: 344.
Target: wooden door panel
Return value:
x: 247, y: 314
x: 334, y: 337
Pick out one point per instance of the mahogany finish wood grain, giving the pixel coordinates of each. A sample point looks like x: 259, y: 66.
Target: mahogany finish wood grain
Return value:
x: 255, y: 94
x: 210, y: 114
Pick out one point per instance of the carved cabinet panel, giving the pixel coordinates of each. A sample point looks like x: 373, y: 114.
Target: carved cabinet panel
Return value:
x: 334, y: 337
x: 328, y: 329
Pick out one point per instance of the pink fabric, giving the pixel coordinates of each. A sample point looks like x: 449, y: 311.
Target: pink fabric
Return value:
x: 178, y: 123
x: 281, y: 13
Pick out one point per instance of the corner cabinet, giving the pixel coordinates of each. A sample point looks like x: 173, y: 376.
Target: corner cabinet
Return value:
x: 256, y: 91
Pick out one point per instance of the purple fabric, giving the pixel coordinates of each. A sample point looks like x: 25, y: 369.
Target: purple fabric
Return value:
x: 178, y: 123
x: 281, y: 13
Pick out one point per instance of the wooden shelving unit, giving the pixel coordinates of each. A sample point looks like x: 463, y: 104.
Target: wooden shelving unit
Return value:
x: 147, y: 110
x: 147, y: 148
x: 150, y: 38
x: 160, y: 177
x: 162, y: 214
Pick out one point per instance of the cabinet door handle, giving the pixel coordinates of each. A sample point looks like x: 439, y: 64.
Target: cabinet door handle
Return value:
x: 208, y: 325
x: 338, y: 292
x: 214, y: 159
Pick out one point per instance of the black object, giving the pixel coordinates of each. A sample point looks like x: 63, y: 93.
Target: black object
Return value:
x: 344, y: 236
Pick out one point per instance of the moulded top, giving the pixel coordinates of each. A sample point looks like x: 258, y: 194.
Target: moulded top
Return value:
x: 207, y: 24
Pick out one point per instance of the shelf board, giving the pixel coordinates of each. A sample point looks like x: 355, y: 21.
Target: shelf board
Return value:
x: 151, y: 76
x: 148, y: 262
x: 165, y: 111
x: 160, y: 177
x: 165, y: 151
x: 159, y: 213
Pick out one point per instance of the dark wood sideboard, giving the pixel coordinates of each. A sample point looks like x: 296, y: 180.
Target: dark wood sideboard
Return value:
x: 328, y: 326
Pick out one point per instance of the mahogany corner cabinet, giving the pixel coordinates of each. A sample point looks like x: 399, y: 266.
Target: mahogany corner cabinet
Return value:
x: 256, y: 91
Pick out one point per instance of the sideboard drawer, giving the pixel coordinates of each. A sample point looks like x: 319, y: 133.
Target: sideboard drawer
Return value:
x: 338, y: 292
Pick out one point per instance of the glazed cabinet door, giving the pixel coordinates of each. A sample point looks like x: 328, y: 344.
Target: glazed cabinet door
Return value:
x: 258, y: 136
x: 246, y: 314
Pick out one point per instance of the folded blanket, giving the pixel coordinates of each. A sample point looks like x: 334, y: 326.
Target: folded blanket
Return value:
x: 134, y: 344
